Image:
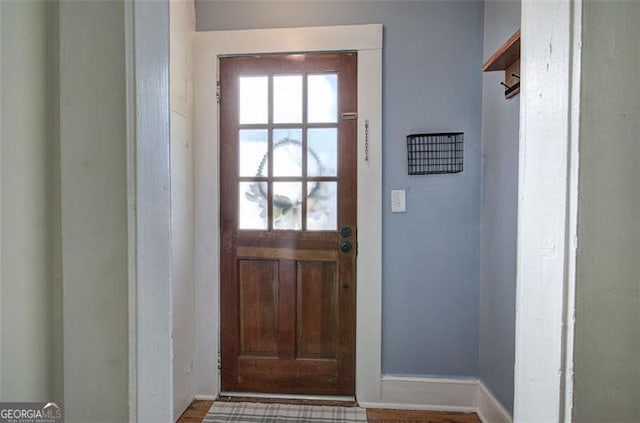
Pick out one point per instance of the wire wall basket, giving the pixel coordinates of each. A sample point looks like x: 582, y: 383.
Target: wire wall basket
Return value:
x: 430, y: 154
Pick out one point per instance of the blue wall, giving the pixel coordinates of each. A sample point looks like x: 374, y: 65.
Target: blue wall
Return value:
x: 499, y: 211
x: 432, y: 82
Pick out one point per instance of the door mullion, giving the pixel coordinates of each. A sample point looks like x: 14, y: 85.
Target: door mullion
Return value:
x: 287, y: 310
x: 270, y: 153
x: 303, y: 207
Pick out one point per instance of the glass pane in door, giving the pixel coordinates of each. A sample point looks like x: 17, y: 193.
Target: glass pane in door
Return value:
x: 254, y: 99
x: 322, y: 152
x: 322, y: 206
x: 322, y: 102
x: 287, y: 99
x: 287, y: 152
x: 287, y: 202
x: 253, y: 157
x: 252, y: 205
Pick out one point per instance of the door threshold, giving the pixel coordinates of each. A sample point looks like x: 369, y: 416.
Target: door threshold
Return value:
x: 347, y: 401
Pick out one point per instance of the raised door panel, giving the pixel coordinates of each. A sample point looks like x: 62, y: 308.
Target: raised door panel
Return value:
x: 317, y: 310
x: 258, y: 281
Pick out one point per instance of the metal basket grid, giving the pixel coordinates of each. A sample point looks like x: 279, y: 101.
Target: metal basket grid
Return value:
x: 438, y: 153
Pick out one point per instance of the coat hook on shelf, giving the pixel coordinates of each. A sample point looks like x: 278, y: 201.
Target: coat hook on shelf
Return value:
x: 510, y: 88
x: 515, y: 75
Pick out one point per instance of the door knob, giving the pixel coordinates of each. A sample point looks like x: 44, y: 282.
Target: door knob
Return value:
x: 345, y: 246
x: 346, y: 231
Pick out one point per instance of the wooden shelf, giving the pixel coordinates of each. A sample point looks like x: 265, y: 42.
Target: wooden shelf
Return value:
x: 507, y: 58
x: 508, y: 53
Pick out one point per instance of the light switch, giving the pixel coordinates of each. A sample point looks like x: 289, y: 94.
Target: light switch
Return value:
x: 398, y: 201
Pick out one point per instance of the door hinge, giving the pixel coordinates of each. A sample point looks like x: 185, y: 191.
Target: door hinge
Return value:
x: 218, y: 95
x: 219, y: 362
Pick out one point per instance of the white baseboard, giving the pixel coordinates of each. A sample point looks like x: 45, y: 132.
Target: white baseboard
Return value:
x: 206, y: 397
x: 436, y: 394
x: 400, y: 406
x: 489, y: 408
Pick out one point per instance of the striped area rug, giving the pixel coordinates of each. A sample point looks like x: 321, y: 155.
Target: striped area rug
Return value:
x: 250, y: 412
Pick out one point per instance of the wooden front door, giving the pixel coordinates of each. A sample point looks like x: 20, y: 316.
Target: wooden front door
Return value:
x: 288, y: 222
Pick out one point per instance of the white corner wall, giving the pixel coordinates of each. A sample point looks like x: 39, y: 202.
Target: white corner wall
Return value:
x: 607, y: 334
x: 182, y: 24
x: 26, y: 333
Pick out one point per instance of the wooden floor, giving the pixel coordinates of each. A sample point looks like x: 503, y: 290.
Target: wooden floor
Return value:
x: 375, y: 415
x: 198, y: 409
x: 196, y: 412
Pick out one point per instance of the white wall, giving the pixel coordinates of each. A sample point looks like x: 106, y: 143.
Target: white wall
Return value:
x: 26, y: 333
x: 182, y: 23
x: 607, y: 335
x: 92, y: 107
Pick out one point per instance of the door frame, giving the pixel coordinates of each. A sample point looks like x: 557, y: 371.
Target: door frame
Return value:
x: 547, y: 210
x: 366, y: 40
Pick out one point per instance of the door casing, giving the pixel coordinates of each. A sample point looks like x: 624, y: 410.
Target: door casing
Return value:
x: 208, y: 47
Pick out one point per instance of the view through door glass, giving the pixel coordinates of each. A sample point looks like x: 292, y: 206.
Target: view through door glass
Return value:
x: 288, y: 221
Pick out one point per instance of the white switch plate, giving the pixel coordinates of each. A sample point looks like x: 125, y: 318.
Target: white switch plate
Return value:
x: 398, y: 201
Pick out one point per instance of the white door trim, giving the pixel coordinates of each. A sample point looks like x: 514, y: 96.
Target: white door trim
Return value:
x: 208, y: 46
x: 547, y: 209
x: 149, y: 211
